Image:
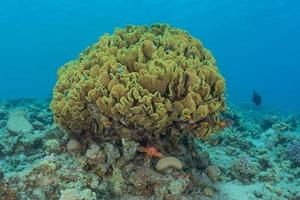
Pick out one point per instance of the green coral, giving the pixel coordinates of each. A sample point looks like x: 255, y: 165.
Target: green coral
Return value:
x: 140, y: 79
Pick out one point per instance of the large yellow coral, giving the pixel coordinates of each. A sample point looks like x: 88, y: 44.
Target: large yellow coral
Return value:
x: 139, y: 82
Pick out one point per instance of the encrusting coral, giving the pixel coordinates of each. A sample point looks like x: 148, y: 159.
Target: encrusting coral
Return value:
x: 139, y: 82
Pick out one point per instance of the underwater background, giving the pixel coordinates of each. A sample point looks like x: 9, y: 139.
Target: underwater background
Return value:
x: 255, y: 43
x: 88, y: 132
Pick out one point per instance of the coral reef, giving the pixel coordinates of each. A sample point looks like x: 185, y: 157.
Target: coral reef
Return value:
x: 138, y: 82
x: 245, y: 160
x: 134, y: 101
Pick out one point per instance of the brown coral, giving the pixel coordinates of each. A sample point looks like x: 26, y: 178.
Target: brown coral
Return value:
x: 167, y: 162
x: 138, y: 82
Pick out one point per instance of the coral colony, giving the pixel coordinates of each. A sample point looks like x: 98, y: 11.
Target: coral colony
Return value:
x: 168, y: 91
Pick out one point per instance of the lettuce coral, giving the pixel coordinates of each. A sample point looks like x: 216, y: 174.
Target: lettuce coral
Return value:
x: 139, y: 82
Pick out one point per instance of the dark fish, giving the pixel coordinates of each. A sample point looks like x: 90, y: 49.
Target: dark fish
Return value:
x: 256, y: 98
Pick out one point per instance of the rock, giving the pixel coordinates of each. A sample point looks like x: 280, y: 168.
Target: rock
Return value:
x: 202, y: 160
x: 46, y: 166
x: 177, y: 186
x: 18, y: 124
x: 52, y: 146
x: 200, y: 180
x: 141, y: 177
x: 278, y: 191
x: 95, y: 155
x: 230, y: 151
x: 3, y: 114
x: 281, y: 127
x: 213, y: 172
x: 30, y: 141
x: 297, y: 196
x: 208, y: 191
x: 102, y: 169
x: 76, y: 194
x: 112, y: 153
x: 54, y: 131
x: 74, y: 146
x: 117, y: 181
x: 258, y: 194
x: 6, y: 193
x: 37, y: 125
x: 1, y: 174
x: 264, y: 162
x: 2, y: 123
x: 243, y: 170
x: 267, y: 176
x: 129, y: 149
x: 38, y: 193
x: 268, y: 122
x: 44, y: 117
x: 173, y: 187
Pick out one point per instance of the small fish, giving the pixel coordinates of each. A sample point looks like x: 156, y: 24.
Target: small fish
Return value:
x: 226, y: 123
x: 256, y: 98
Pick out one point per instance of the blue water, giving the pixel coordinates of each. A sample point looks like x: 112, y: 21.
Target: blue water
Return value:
x: 256, y: 42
